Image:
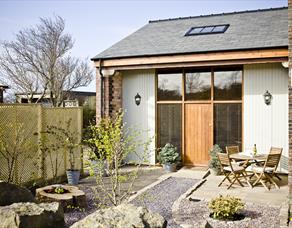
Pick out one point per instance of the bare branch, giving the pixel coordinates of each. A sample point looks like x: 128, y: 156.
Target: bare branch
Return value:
x: 38, y: 61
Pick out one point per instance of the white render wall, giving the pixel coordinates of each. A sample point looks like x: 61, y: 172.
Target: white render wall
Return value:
x: 140, y: 117
x: 266, y: 125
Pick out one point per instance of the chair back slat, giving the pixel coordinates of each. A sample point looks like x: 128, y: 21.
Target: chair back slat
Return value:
x: 232, y: 150
x: 273, y: 160
x: 276, y: 150
x: 223, y: 159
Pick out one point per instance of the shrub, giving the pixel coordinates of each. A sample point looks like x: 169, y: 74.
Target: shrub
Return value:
x: 225, y: 207
x: 112, y: 142
x: 214, y: 162
x: 169, y: 154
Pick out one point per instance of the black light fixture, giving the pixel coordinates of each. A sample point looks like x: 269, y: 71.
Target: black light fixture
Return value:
x: 267, y: 97
x: 137, y: 99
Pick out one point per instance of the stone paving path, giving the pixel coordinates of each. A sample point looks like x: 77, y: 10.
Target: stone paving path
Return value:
x: 161, y: 197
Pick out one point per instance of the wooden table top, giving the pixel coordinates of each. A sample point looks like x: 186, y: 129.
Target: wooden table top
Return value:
x: 241, y: 156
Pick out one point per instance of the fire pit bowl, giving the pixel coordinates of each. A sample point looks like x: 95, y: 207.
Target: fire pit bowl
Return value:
x: 66, y: 195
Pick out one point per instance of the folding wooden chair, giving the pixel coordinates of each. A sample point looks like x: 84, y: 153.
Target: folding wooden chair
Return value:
x: 276, y: 150
x: 232, y: 172
x: 232, y: 150
x: 266, y: 172
x: 235, y: 150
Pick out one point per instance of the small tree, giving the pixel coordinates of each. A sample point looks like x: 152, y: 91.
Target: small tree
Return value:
x: 39, y: 61
x: 113, y: 142
x: 16, y: 150
x: 57, y: 138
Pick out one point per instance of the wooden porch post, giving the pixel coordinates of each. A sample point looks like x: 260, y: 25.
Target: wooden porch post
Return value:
x: 290, y: 98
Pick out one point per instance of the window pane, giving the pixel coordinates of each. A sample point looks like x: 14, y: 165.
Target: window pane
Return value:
x: 207, y: 29
x: 196, y: 30
x: 169, y: 125
x: 198, y: 86
x: 228, y: 125
x: 169, y: 87
x: 219, y: 28
x: 227, y: 85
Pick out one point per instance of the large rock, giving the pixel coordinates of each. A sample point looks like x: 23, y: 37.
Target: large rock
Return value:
x: 31, y: 215
x: 122, y: 216
x: 11, y: 193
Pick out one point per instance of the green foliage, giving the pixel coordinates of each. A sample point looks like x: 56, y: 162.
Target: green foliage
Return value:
x: 93, y: 140
x: 59, y: 190
x: 168, y: 154
x: 75, y: 208
x: 111, y: 141
x: 88, y: 116
x: 214, y: 162
x: 225, y: 207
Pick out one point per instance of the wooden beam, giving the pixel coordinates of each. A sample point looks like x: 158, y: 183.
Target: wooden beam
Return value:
x: 196, y: 58
x: 200, y: 64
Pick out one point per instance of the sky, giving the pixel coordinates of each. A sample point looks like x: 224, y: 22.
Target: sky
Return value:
x: 97, y: 24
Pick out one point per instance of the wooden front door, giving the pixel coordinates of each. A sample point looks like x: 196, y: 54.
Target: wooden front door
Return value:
x: 198, y: 133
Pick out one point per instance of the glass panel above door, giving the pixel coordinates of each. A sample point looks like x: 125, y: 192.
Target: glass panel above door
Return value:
x: 169, y: 87
x: 198, y: 86
x: 227, y: 85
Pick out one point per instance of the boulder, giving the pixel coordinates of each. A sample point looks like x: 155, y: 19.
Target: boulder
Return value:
x: 122, y: 216
x: 32, y: 215
x: 11, y: 193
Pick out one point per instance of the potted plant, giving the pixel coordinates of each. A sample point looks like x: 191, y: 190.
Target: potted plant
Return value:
x: 169, y: 157
x: 214, y: 164
x: 73, y: 174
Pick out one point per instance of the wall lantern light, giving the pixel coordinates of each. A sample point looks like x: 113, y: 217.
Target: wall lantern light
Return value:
x: 267, y: 97
x: 137, y: 99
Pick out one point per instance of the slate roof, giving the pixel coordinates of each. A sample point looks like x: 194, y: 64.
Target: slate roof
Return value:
x: 263, y: 28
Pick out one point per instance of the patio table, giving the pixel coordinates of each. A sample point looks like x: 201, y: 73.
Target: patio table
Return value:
x: 248, y: 158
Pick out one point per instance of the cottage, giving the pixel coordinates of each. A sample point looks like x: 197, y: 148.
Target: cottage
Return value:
x: 203, y: 80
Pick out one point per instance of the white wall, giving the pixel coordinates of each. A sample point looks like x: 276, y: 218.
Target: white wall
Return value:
x: 141, y: 117
x: 266, y: 125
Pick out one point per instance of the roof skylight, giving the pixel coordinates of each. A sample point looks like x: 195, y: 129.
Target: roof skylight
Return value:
x: 203, y: 30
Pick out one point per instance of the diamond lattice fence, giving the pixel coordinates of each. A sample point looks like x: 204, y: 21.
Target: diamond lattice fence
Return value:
x: 21, y: 129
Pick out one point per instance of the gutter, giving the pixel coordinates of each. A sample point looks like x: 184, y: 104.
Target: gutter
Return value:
x: 101, y: 88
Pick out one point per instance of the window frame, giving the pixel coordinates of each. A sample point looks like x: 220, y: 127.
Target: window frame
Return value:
x: 189, y: 32
x: 212, y: 101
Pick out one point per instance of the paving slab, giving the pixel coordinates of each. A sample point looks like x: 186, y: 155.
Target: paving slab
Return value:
x: 257, y: 194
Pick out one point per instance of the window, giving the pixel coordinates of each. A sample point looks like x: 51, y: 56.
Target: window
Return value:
x: 213, y: 29
x: 227, y: 125
x: 227, y: 85
x: 198, y: 86
x: 169, y: 125
x: 169, y: 87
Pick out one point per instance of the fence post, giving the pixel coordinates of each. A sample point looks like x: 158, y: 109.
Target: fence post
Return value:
x: 40, y: 130
x: 80, y: 127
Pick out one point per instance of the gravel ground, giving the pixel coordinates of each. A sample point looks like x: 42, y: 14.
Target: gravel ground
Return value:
x: 196, y: 213
x: 161, y: 197
x: 146, y: 176
x: 77, y: 214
